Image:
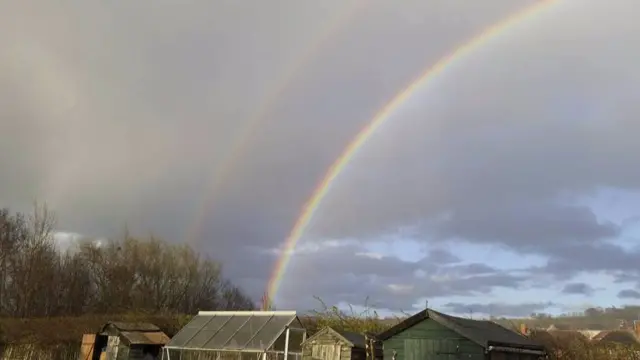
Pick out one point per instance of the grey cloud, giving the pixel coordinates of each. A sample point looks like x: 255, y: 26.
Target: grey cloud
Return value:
x: 629, y: 294
x: 546, y: 225
x: 345, y: 274
x: 569, y: 260
x: 122, y: 114
x: 626, y: 276
x: 440, y: 256
x: 578, y: 288
x: 498, y: 309
x: 509, y: 165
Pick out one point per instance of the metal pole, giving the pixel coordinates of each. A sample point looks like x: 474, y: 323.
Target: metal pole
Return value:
x: 286, y: 344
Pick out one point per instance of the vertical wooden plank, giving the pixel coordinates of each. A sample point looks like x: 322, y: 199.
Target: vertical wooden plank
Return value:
x: 87, y: 347
x: 112, y: 347
x: 328, y: 352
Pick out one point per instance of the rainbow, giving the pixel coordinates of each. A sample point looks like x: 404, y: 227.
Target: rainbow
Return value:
x: 375, y: 123
x: 250, y: 127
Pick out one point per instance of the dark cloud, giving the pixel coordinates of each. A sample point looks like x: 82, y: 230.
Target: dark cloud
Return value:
x: 564, y: 225
x: 626, y: 276
x: 629, y: 294
x: 570, y: 260
x: 578, y: 289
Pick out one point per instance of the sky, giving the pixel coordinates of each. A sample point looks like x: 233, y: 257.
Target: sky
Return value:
x: 507, y: 185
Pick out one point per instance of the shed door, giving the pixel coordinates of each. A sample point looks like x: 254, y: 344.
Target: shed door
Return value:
x: 326, y: 352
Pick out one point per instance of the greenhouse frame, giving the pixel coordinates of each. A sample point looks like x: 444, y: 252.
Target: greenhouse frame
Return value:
x: 238, y: 335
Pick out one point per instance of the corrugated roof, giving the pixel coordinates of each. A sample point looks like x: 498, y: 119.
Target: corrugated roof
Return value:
x: 255, y: 331
x: 482, y: 332
x: 133, y: 326
x: 145, y: 338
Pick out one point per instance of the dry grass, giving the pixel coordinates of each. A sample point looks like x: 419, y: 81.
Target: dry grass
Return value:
x: 29, y: 351
x: 69, y: 330
x: 60, y: 338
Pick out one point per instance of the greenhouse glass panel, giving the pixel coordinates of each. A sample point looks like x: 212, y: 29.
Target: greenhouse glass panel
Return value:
x: 228, y: 331
x: 248, y: 332
x: 236, y: 331
x: 198, y: 331
x: 199, y: 321
x: 180, y: 339
x: 270, y: 332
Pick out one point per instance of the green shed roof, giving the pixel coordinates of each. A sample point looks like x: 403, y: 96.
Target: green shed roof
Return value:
x: 484, y: 333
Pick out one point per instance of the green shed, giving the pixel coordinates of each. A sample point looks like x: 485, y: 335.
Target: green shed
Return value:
x: 430, y: 335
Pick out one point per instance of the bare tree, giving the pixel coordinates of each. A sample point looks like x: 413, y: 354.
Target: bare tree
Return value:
x: 125, y: 275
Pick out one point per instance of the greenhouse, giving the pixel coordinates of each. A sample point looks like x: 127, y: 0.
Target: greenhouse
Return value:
x: 238, y: 335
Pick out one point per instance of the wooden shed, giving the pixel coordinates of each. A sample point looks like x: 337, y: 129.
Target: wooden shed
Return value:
x: 123, y: 341
x: 433, y: 335
x: 331, y: 344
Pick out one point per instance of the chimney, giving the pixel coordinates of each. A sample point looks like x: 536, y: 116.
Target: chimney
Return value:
x: 523, y: 329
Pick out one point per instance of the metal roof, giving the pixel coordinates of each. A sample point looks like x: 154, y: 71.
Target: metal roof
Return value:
x: 132, y: 326
x: 145, y: 338
x: 251, y: 331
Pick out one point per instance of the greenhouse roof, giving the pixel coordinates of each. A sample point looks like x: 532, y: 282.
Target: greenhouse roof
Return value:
x: 253, y: 331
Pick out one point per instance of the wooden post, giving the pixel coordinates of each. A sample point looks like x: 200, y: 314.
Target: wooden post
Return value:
x: 286, y: 343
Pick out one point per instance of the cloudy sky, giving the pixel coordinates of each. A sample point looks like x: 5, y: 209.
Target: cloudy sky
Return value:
x: 506, y: 185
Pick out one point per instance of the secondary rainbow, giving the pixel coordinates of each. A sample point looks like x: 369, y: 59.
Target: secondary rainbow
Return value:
x: 379, y: 119
x: 221, y: 173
